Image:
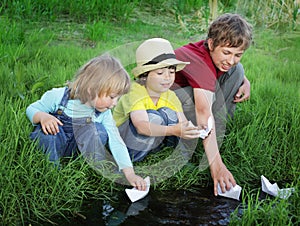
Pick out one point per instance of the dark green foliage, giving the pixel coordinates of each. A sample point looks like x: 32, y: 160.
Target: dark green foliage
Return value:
x: 78, y: 10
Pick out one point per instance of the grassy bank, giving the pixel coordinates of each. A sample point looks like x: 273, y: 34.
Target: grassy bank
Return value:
x: 36, y: 56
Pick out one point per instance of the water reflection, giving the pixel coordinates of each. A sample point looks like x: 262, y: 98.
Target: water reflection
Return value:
x: 199, y: 207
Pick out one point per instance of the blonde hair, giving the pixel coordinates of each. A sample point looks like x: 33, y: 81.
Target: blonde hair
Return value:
x: 100, y: 76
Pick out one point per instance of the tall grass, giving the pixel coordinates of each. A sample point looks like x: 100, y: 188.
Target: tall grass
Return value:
x: 75, y: 10
x: 271, y: 13
x: 264, y: 137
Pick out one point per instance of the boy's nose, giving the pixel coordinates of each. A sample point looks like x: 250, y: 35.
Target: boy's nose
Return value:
x: 231, y: 60
x: 167, y: 74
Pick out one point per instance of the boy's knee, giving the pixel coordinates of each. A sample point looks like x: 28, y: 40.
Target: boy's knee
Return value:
x: 170, y: 116
x: 155, y: 117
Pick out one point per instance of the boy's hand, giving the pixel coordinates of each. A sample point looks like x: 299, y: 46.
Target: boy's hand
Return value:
x: 48, y: 123
x: 221, y: 175
x: 243, y: 92
x: 187, y: 130
x: 135, y: 180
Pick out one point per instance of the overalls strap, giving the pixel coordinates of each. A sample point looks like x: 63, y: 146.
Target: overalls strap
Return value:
x: 64, y: 101
x: 65, y: 97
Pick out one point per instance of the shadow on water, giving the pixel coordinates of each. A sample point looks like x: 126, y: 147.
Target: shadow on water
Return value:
x: 199, y: 207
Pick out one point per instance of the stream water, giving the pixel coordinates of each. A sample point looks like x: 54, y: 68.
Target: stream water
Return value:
x: 181, y: 207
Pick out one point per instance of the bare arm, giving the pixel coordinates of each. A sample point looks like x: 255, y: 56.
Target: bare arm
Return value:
x: 203, y: 102
x: 141, y: 122
x: 219, y: 172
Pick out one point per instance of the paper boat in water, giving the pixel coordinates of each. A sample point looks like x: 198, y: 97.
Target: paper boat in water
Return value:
x: 233, y: 193
x: 273, y: 189
x: 135, y: 194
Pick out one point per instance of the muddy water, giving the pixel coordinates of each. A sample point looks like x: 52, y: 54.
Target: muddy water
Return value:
x: 160, y: 208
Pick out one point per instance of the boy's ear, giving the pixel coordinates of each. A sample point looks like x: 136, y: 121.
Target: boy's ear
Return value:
x: 210, y: 43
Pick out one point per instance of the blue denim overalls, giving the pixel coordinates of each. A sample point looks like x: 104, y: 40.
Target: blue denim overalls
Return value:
x: 76, y: 134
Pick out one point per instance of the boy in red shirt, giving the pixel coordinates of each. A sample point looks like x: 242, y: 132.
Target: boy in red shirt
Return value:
x: 213, y: 83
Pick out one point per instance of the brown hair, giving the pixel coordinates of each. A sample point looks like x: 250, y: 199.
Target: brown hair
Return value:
x: 141, y: 79
x: 100, y: 76
x: 230, y: 30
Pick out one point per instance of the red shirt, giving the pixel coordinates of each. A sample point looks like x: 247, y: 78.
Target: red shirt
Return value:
x: 201, y: 72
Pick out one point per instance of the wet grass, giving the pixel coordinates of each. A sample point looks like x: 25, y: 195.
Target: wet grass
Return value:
x: 36, y: 56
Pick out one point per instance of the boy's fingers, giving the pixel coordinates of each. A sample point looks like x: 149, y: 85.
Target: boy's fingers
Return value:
x: 238, y: 95
x: 45, y: 131
x: 227, y: 185
x: 215, y: 188
x: 223, y: 187
x: 59, y: 122
x: 140, y: 185
x: 232, y: 181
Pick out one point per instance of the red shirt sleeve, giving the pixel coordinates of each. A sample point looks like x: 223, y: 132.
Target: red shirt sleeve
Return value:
x: 201, y: 72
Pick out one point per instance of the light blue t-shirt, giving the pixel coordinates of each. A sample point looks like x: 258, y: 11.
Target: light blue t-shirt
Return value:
x: 50, y: 103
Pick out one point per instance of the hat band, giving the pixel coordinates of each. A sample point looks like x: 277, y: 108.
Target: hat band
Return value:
x: 160, y: 58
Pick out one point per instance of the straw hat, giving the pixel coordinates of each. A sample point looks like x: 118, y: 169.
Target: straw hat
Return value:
x: 155, y: 53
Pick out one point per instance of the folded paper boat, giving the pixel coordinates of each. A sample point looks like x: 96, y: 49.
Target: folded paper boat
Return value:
x: 233, y: 193
x: 135, y: 194
x: 203, y: 133
x: 274, y: 190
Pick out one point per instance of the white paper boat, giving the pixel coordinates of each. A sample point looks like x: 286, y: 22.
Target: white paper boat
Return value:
x: 233, y: 193
x: 135, y: 194
x: 274, y: 190
x: 203, y: 133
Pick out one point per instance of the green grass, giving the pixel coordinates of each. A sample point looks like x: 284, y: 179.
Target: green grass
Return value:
x: 36, y: 56
x: 32, y: 188
x: 265, y: 211
x: 271, y: 13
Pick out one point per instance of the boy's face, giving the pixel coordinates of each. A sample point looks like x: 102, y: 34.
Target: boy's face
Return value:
x: 160, y: 80
x: 225, y: 57
x: 105, y: 102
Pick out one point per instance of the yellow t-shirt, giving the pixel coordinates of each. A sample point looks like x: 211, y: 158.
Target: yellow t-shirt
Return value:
x: 139, y: 99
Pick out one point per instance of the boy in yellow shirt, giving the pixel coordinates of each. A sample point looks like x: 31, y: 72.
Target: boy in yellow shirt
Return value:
x: 150, y: 116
